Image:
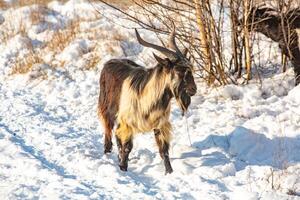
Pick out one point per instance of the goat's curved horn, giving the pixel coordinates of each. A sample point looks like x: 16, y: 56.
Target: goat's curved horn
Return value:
x: 165, y: 51
x: 172, y: 42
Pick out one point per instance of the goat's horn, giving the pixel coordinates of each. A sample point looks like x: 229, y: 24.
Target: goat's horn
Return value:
x: 165, y: 51
x: 172, y: 42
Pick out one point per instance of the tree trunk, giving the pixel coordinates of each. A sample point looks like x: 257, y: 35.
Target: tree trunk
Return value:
x: 247, y: 40
x: 203, y: 39
x: 234, y: 37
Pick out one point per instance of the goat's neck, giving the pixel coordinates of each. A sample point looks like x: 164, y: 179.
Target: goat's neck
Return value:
x: 155, y: 88
x: 272, y: 33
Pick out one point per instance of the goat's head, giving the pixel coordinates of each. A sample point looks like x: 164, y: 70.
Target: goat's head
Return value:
x: 260, y: 13
x: 264, y: 20
x: 178, y: 67
x: 260, y: 18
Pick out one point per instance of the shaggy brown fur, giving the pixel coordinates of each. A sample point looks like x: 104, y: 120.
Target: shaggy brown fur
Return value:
x: 138, y: 100
x: 268, y: 22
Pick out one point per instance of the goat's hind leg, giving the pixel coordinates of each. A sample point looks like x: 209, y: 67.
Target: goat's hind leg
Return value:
x: 163, y: 143
x: 108, y: 126
x: 124, y: 142
x: 107, y: 141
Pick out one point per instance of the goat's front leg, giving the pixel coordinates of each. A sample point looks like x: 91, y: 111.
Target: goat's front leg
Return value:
x: 163, y: 143
x: 124, y: 142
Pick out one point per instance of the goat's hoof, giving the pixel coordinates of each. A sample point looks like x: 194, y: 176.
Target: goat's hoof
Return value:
x: 107, y: 151
x: 107, y: 148
x: 123, y: 168
x: 169, y: 170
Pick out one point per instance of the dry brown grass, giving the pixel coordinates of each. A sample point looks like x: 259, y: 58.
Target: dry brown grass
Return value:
x: 58, y: 40
x: 96, y: 33
x: 22, y: 3
x: 16, y: 4
x: 111, y: 50
x: 62, y: 38
x: 91, y: 61
x: 25, y: 64
x: 7, y: 33
x: 2, y: 4
x: 38, y: 14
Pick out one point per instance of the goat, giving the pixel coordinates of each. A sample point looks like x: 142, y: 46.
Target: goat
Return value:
x: 281, y: 29
x: 137, y: 99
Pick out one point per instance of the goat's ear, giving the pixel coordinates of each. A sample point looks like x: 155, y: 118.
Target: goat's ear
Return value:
x: 167, y: 63
x: 159, y: 59
x: 185, y: 51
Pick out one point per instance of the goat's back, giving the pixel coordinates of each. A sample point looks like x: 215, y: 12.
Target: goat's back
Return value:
x: 112, y: 76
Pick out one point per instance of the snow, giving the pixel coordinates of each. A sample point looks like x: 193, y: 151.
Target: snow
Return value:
x: 245, y: 139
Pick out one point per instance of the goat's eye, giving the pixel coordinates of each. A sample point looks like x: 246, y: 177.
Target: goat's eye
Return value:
x: 187, y: 74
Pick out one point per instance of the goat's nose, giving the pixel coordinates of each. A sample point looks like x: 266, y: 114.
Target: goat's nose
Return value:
x: 192, y: 90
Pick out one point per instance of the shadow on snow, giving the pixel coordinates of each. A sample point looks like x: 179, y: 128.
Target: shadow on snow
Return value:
x: 245, y: 147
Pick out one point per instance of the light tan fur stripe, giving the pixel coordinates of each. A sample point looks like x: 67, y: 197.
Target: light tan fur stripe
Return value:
x: 134, y: 107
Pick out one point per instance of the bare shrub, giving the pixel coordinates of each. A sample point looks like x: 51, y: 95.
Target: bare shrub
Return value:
x: 25, y: 64
x: 199, y: 28
x: 17, y: 4
x: 62, y: 38
x: 91, y: 61
x: 9, y: 30
x: 38, y: 14
x: 3, y: 5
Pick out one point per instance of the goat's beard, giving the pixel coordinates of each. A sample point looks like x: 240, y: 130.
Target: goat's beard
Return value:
x: 182, y: 98
x: 184, y: 101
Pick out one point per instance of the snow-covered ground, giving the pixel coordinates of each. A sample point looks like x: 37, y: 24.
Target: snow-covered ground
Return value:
x: 245, y: 139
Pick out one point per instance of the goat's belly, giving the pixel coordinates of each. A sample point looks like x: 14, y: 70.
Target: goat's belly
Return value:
x: 144, y: 122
